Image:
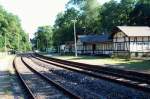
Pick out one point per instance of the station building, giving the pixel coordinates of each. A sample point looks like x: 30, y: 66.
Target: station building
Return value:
x: 133, y: 41
x: 95, y: 44
x: 130, y: 41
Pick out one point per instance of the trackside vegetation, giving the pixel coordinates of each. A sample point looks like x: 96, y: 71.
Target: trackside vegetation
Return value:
x: 95, y: 18
x: 12, y: 36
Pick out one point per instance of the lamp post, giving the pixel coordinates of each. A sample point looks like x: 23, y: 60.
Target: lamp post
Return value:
x: 75, y: 43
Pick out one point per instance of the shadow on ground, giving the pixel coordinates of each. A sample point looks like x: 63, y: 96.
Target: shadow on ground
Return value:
x: 88, y: 57
x: 5, y: 85
x: 140, y: 65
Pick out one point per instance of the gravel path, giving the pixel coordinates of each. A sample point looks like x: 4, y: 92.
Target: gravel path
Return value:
x: 9, y: 86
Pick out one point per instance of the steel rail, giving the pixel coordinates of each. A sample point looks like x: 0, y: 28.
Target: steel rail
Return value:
x: 27, y: 89
x: 65, y: 91
x: 133, y: 75
x: 134, y: 85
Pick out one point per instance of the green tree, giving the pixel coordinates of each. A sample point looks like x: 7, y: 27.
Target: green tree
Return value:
x: 114, y: 14
x: 11, y: 32
x: 141, y: 14
x: 109, y: 15
x: 63, y: 28
x: 43, y: 38
x: 95, y: 18
x: 92, y: 18
x: 89, y: 14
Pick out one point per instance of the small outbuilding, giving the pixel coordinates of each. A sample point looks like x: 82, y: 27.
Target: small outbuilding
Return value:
x: 68, y: 47
x: 94, y: 44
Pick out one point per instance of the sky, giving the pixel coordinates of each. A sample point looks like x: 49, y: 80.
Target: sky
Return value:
x: 34, y: 13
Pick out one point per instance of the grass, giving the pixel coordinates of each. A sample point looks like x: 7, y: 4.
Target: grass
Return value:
x: 142, y: 65
x: 139, y: 65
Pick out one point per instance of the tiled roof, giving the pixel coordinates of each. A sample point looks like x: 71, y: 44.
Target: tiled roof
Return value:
x: 135, y: 30
x: 94, y: 38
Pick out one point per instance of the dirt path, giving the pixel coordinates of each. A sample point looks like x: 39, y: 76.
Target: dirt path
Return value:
x: 9, y: 88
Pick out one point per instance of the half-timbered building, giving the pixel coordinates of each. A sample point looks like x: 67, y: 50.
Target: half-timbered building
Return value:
x: 131, y: 41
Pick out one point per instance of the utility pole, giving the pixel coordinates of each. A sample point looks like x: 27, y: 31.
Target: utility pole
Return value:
x: 5, y: 43
x: 46, y: 45
x: 18, y: 41
x: 75, y: 43
x: 37, y: 44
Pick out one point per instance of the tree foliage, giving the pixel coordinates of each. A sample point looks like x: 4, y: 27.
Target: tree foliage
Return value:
x: 94, y: 18
x: 63, y: 28
x: 43, y: 38
x: 141, y: 13
x: 12, y: 32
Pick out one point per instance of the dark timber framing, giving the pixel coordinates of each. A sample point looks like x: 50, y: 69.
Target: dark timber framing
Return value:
x: 122, y: 41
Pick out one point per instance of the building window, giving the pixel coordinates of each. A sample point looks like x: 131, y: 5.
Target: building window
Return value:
x: 119, y: 46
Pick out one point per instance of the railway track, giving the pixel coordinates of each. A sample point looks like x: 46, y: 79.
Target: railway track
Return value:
x: 70, y: 80
x: 88, y: 87
x: 37, y: 85
x: 132, y: 79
